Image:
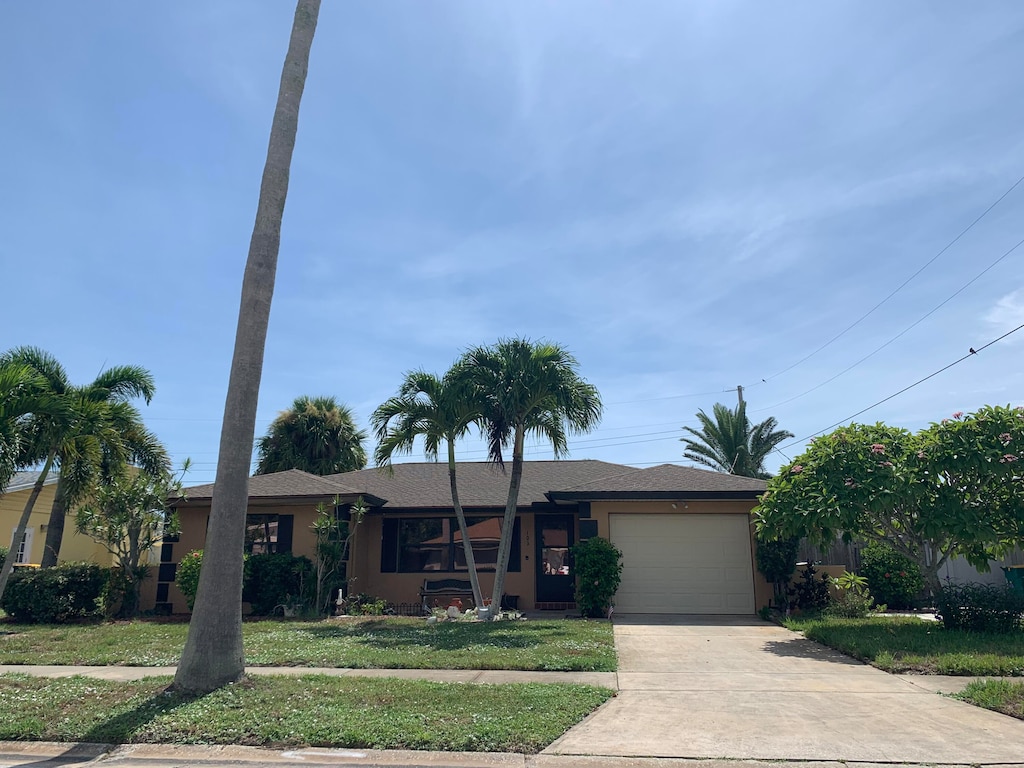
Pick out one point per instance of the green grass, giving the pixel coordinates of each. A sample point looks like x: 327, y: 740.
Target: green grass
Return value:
x: 388, y: 643
x: 999, y: 695
x: 312, y: 710
x: 907, y: 644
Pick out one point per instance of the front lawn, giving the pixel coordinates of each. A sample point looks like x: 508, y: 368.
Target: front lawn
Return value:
x: 908, y: 644
x: 312, y: 710
x: 376, y: 643
x: 999, y: 695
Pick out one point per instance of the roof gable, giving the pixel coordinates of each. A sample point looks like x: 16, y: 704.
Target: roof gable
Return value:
x: 290, y: 483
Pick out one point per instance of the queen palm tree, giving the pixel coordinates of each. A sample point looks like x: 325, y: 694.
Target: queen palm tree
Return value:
x: 316, y: 435
x: 439, y: 411
x: 103, y: 434
x: 525, y: 388
x: 212, y: 656
x: 729, y: 443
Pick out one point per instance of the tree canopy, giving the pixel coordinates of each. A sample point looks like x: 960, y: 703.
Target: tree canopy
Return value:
x: 317, y: 435
x: 953, y: 488
x: 728, y: 442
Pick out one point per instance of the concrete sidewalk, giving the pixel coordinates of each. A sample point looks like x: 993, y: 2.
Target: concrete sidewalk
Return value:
x: 484, y: 676
x: 53, y: 755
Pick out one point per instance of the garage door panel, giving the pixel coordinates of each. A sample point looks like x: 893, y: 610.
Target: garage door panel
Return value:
x: 684, y: 563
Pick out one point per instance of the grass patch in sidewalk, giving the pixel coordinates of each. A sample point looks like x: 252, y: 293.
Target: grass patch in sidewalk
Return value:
x: 312, y: 710
x: 372, y: 643
x: 998, y: 695
x: 908, y: 644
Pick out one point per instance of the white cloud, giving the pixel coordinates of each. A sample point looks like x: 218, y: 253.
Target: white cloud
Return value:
x: 1008, y: 313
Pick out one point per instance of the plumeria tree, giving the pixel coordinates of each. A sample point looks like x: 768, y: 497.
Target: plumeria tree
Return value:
x: 953, y: 488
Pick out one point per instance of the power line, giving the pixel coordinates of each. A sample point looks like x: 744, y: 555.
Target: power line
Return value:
x: 971, y: 353
x: 910, y: 327
x: 899, y: 288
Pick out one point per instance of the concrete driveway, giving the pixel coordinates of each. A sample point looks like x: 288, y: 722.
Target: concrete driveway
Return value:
x: 740, y: 688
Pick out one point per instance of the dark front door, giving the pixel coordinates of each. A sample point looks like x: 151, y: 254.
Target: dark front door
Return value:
x: 556, y: 582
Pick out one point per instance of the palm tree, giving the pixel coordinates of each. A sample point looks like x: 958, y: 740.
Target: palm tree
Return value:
x: 23, y: 397
x: 103, y: 434
x: 212, y: 656
x: 526, y: 388
x: 438, y: 411
x: 316, y: 435
x: 728, y: 442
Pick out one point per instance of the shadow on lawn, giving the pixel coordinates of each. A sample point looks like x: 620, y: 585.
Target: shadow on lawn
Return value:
x: 118, y: 729
x: 447, y: 636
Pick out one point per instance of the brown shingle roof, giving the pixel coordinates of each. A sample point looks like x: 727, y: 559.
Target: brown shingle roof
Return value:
x: 293, y: 482
x: 481, y: 484
x: 664, y: 479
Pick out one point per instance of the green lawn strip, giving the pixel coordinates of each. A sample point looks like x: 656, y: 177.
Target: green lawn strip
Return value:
x: 907, y: 644
x: 390, y: 643
x: 998, y: 695
x: 312, y: 710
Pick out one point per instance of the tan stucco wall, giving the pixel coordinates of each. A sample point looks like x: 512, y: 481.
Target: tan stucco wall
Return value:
x: 600, y: 510
x: 74, y: 546
x: 405, y: 587
x: 193, y: 521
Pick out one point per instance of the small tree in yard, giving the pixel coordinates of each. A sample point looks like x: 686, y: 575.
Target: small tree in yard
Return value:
x: 128, y: 515
x: 333, y: 542
x: 952, y: 489
x: 598, y: 575
x: 776, y: 560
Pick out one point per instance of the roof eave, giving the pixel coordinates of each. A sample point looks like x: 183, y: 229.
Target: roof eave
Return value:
x: 556, y: 496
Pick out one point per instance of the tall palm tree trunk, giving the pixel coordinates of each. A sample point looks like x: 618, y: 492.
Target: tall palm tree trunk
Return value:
x: 19, y: 532
x: 508, y: 523
x: 213, y: 655
x: 55, y: 525
x: 467, y: 545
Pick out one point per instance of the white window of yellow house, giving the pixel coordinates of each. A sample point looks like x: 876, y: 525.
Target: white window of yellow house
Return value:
x: 25, y: 551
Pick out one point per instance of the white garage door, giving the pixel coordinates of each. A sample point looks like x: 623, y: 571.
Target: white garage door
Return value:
x: 684, y: 563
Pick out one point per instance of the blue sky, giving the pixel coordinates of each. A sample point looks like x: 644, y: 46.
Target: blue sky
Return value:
x: 689, y: 196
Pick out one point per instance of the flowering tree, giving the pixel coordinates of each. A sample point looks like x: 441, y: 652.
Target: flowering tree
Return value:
x: 953, y: 488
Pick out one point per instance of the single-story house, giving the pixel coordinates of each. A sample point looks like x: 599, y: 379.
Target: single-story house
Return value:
x: 685, y: 533
x: 74, y: 546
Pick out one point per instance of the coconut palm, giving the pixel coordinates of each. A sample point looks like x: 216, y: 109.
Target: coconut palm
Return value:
x: 316, y: 435
x: 439, y: 411
x: 525, y: 388
x: 729, y: 443
x: 103, y: 434
x: 212, y: 656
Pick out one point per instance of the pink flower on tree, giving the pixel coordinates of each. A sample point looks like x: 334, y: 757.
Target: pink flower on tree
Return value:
x: 958, y: 414
x: 877, y: 448
x: 1005, y: 438
x: 885, y: 463
x: 920, y: 454
x: 1008, y: 458
x: 796, y: 470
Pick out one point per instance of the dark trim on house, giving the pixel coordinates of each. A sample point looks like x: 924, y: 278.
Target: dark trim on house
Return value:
x: 556, y: 496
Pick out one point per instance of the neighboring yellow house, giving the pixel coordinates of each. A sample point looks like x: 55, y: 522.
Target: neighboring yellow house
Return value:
x: 74, y: 546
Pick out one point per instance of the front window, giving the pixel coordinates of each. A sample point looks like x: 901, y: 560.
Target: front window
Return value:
x: 261, y: 534
x: 434, y: 544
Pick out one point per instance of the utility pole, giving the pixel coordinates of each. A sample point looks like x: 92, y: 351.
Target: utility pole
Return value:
x: 739, y: 393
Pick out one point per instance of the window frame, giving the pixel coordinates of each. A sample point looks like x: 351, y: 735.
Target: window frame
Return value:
x: 391, y: 560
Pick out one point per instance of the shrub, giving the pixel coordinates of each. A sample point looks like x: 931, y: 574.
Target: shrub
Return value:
x: 366, y: 605
x: 892, y: 578
x: 66, y: 592
x: 810, y: 593
x: 280, y: 579
x: 776, y: 560
x: 981, y: 607
x: 187, y: 575
x: 853, y: 601
x: 598, y: 574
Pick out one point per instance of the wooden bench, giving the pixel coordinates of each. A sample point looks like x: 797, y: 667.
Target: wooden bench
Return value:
x: 440, y: 593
